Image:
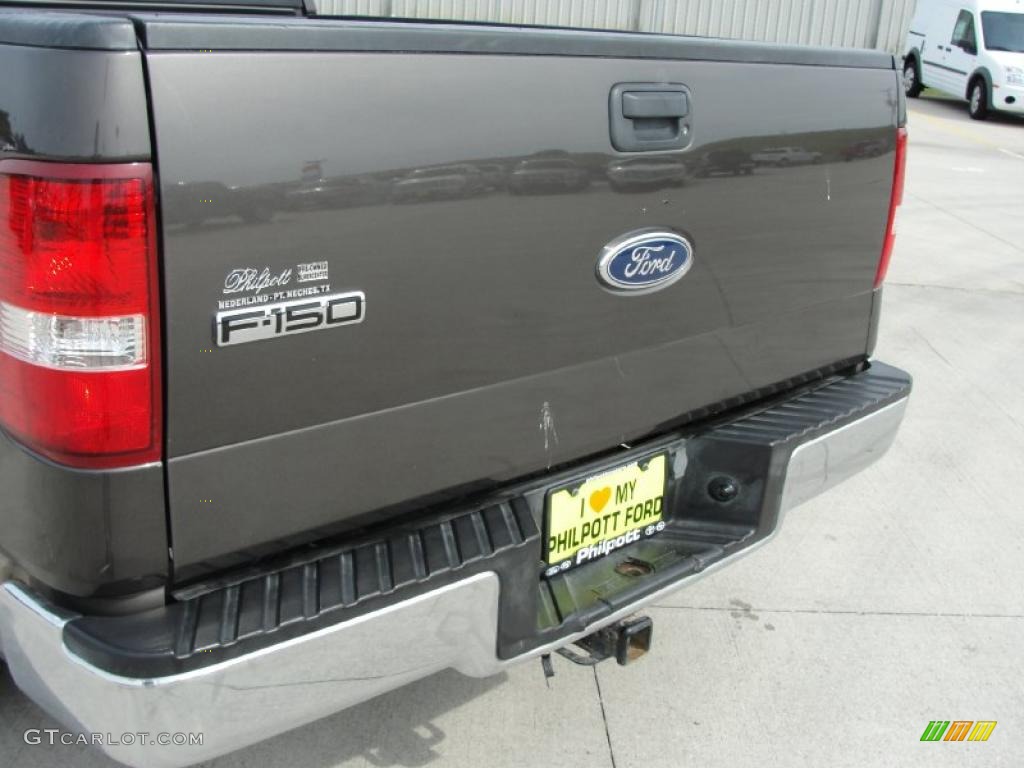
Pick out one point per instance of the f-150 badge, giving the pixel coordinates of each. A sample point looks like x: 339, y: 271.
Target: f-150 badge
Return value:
x: 269, y: 306
x: 644, y: 261
x: 287, y: 317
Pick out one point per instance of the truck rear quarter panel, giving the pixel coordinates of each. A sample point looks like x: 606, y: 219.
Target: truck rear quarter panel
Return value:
x: 97, y: 532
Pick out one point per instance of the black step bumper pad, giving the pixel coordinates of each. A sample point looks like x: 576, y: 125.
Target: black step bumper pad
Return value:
x: 246, y: 611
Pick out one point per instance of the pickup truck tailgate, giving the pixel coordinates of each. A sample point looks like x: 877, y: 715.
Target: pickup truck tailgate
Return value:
x: 488, y: 350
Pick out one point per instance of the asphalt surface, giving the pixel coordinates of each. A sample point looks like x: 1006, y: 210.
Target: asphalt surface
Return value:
x: 895, y: 599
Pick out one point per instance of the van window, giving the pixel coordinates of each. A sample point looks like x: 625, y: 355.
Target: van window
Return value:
x: 1003, y: 31
x: 963, y: 33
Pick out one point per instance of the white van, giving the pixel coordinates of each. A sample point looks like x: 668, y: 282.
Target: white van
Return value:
x: 973, y: 49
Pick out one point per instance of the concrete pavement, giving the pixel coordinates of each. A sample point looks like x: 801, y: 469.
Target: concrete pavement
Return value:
x: 896, y: 599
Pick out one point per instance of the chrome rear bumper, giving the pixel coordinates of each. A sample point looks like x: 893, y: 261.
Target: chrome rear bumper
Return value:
x: 274, y: 689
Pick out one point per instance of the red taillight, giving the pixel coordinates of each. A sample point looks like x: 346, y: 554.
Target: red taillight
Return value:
x: 79, y: 312
x: 898, y: 176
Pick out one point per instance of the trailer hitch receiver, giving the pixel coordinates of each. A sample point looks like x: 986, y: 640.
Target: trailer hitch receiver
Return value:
x: 625, y: 641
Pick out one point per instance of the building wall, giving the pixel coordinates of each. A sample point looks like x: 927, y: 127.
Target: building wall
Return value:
x: 849, y: 23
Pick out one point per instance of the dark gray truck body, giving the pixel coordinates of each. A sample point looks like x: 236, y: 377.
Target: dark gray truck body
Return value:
x: 490, y: 361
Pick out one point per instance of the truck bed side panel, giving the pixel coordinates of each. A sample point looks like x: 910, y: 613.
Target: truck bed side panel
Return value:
x: 80, y: 532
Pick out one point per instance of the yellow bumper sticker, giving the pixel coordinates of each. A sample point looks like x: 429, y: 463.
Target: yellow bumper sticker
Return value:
x: 606, y: 512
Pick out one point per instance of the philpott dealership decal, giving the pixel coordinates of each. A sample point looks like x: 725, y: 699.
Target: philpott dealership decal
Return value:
x: 264, y: 303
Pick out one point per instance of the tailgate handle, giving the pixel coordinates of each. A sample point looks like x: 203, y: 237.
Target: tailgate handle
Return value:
x: 640, y: 104
x: 645, y: 117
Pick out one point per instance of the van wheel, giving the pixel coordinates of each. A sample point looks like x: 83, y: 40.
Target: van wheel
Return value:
x: 977, y: 105
x: 912, y: 79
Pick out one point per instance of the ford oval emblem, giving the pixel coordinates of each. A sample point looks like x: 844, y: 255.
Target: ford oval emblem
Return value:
x: 642, y: 262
